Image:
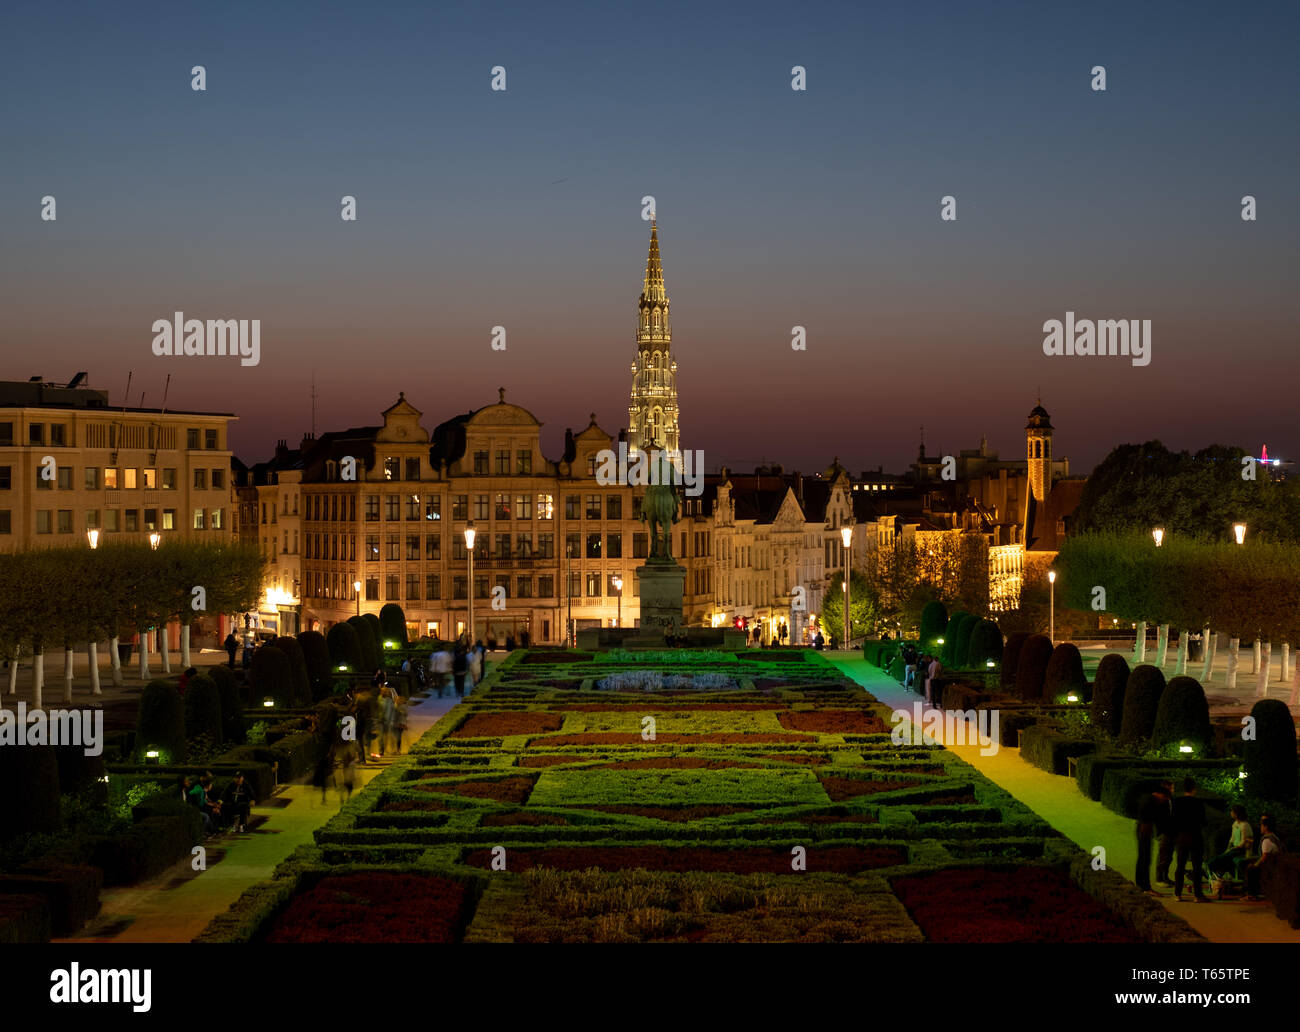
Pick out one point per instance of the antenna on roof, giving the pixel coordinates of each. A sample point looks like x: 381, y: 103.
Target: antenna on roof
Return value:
x: 166, y: 387
x: 126, y: 398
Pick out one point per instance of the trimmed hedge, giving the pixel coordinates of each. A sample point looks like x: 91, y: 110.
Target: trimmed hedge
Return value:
x: 934, y: 621
x: 1050, y: 749
x: 29, y: 791
x: 296, y: 755
x: 1064, y: 676
x: 203, y: 714
x: 161, y: 723
x: 1141, y: 702
x: 24, y: 918
x: 170, y: 804
x: 1108, y: 693
x: 1183, y: 718
x: 271, y: 676
x: 392, y: 622
x: 1122, y: 789
x: 376, y: 633
x: 232, y: 706
x: 146, y: 849
x: 1094, y: 767
x: 1010, y: 659
x: 71, y: 891
x: 948, y: 649
x: 301, y: 679
x: 345, y: 648
x: 985, y: 645
x: 1270, y: 759
x: 316, y: 655
x: 1031, y: 667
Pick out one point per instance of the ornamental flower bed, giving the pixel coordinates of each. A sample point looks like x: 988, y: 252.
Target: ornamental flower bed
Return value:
x: 489, y: 725
x: 834, y: 722
x: 769, y: 860
x: 1027, y: 904
x: 505, y: 790
x: 850, y: 788
x: 374, y: 907
x: 667, y: 813
x: 630, y: 738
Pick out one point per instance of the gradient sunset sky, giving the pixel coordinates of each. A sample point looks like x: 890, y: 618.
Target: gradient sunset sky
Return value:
x: 776, y: 208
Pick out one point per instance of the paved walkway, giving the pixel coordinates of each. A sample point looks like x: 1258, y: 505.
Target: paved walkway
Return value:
x: 1087, y: 823
x: 179, y: 903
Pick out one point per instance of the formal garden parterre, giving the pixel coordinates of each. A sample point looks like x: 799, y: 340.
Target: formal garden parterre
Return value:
x: 765, y: 802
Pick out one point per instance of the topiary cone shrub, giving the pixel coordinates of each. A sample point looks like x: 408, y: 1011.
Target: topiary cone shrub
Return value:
x: 30, y: 799
x: 1010, y: 658
x: 1141, y: 702
x: 393, y: 622
x: 961, y: 646
x: 377, y: 633
x: 1183, y: 718
x: 161, y: 723
x: 270, y: 677
x: 1270, y: 758
x: 297, y: 668
x: 366, y: 641
x: 203, y: 708
x: 947, y: 649
x: 317, y: 656
x: 1031, y: 667
x: 345, y: 648
x: 985, y: 645
x: 232, y: 707
x: 1064, y: 676
x: 934, y: 621
x: 1108, y: 693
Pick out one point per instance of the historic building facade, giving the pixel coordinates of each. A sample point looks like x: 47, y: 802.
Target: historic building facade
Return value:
x: 653, y: 415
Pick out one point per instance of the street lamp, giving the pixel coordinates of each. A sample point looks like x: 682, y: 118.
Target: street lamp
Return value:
x: 568, y: 596
x: 154, y: 539
x: 846, y: 535
x: 1159, y: 535
x: 93, y: 537
x: 469, y: 548
x: 1051, y: 626
x: 618, y: 586
x: 356, y: 590
x: 1240, y: 530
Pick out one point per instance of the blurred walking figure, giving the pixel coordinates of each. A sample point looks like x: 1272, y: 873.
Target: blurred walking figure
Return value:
x: 459, y: 668
x: 388, y: 720
x: 475, y: 665
x: 232, y: 646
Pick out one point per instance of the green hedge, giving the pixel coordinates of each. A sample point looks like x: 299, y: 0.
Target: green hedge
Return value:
x: 1093, y: 768
x: 161, y: 723
x: 320, y: 672
x: 1183, y: 718
x: 232, y: 705
x: 71, y: 891
x: 1108, y: 693
x: 29, y: 791
x: 985, y: 646
x: 392, y: 622
x: 145, y: 849
x: 1122, y: 789
x: 345, y: 648
x: 271, y: 677
x: 1270, y: 759
x: 1141, y: 703
x: 934, y: 621
x: 1031, y: 667
x: 296, y: 755
x: 369, y: 643
x: 1064, y: 676
x: 203, y: 708
x: 1050, y: 749
x: 1011, y: 659
x: 302, y: 693
x: 24, y: 918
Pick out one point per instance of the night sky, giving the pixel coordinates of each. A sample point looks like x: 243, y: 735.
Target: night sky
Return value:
x: 776, y: 208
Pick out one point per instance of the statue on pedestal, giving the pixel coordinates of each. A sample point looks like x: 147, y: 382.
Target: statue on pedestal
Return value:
x: 661, y: 509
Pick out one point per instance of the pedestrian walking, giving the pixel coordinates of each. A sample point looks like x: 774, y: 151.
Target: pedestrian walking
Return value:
x: 232, y: 646
x: 1153, y: 813
x: 1188, y: 826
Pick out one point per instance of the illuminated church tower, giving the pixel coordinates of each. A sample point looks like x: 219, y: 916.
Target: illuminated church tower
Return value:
x: 652, y: 415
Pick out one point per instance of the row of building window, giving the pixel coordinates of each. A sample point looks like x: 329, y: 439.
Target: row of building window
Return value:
x: 60, y: 521
x: 59, y: 437
x: 335, y: 585
x: 114, y: 478
x: 429, y: 507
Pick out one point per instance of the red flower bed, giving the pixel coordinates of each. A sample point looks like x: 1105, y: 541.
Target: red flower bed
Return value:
x: 505, y: 790
x: 557, y: 657
x: 494, y: 820
x: 551, y: 761
x: 485, y: 725
x: 955, y: 799
x: 634, y: 738
x: 840, y: 789
x: 834, y: 722
x: 376, y: 907
x: 1028, y: 904
x: 835, y: 859
x: 674, y: 763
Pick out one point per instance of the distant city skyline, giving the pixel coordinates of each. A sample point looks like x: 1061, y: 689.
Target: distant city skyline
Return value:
x: 776, y: 208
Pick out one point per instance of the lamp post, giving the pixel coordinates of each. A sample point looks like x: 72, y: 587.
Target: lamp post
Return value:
x: 1239, y: 529
x: 356, y: 590
x: 1051, y: 625
x: 618, y: 586
x: 846, y: 535
x: 568, y: 597
x: 93, y: 537
x: 469, y: 548
x: 154, y: 540
x: 1159, y: 535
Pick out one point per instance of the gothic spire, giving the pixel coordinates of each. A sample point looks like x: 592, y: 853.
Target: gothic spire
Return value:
x: 653, y: 290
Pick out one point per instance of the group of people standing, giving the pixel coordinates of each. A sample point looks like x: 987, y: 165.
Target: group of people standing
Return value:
x: 1177, y: 824
x: 459, y: 666
x: 357, y: 728
x: 918, y: 667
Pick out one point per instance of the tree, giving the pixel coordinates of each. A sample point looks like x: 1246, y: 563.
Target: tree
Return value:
x: 1182, y: 718
x: 1270, y: 756
x: 160, y: 724
x: 1141, y: 702
x: 985, y: 646
x: 366, y: 639
x: 948, y: 650
x: 1108, y: 693
x: 232, y: 706
x: 1064, y: 676
x: 961, y: 639
x: 302, y: 695
x: 345, y: 647
x: 271, y: 677
x: 203, y: 708
x: 317, y: 656
x: 1031, y: 667
x: 393, y: 622
x: 934, y: 621
x: 1010, y: 659
x: 862, y: 609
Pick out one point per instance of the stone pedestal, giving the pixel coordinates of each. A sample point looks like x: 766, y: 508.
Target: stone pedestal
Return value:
x: 660, y: 584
